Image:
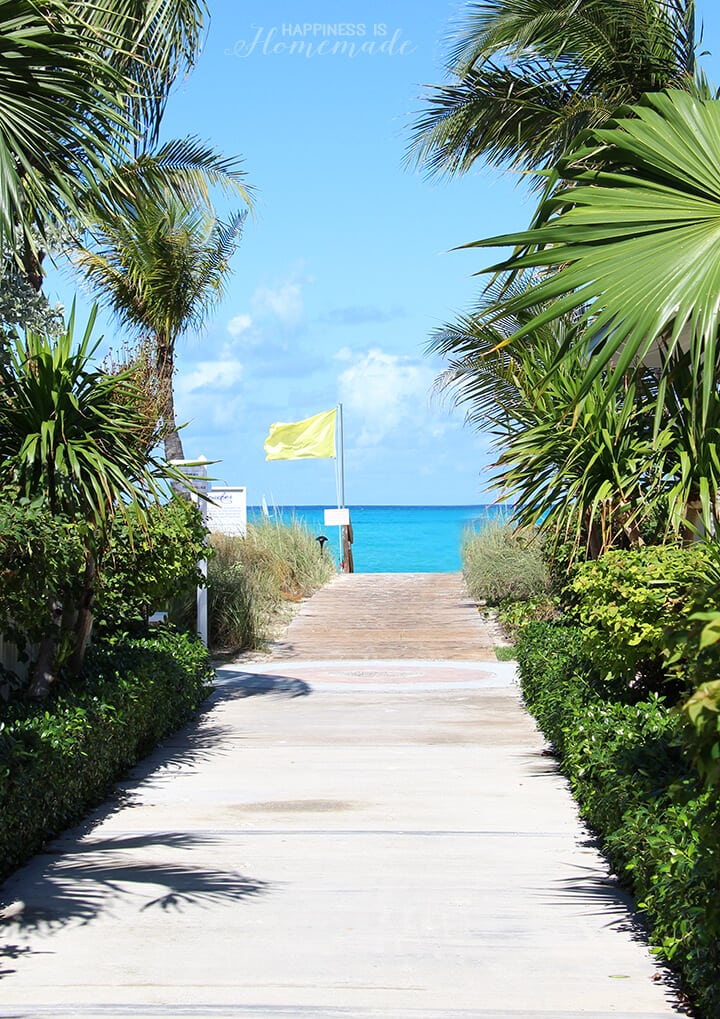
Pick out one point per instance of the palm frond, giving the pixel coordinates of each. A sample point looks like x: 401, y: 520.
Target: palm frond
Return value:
x: 526, y: 76
x: 634, y: 236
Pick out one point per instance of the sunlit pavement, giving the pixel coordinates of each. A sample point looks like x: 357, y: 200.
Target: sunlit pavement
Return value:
x: 334, y: 839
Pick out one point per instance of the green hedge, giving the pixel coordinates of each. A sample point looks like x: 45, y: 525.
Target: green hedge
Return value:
x: 627, y: 600
x: 630, y: 769
x: 61, y: 757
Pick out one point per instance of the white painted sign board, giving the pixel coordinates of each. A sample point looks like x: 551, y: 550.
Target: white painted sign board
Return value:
x: 229, y: 515
x: 337, y: 517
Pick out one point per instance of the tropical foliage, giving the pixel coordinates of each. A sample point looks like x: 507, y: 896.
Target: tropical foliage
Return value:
x: 81, y: 88
x: 592, y: 357
x: 76, y: 445
x: 527, y: 76
x: 631, y: 234
x: 161, y: 265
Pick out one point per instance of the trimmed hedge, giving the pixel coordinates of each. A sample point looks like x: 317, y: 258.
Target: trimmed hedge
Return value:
x: 630, y: 769
x: 628, y: 599
x: 61, y: 757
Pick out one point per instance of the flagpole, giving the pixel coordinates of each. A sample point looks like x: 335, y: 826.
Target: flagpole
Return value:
x: 341, y: 443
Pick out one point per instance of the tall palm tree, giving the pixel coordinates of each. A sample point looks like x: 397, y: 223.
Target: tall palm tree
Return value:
x: 527, y: 76
x: 161, y: 265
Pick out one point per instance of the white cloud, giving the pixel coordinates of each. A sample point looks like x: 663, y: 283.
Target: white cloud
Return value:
x: 210, y: 375
x: 283, y: 302
x: 239, y: 324
x: 275, y: 309
x: 382, y: 391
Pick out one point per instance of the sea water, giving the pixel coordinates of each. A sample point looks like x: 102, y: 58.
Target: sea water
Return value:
x: 396, y: 539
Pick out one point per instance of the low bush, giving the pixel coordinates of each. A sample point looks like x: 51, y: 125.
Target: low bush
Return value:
x: 627, y: 601
x: 60, y: 758
x: 630, y: 767
x: 41, y: 564
x: 513, y: 614
x: 501, y: 562
x: 148, y: 564
x: 251, y: 580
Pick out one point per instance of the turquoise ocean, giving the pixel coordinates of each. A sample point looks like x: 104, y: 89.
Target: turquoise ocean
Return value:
x: 396, y: 539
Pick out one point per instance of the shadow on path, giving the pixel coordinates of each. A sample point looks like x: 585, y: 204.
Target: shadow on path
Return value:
x: 249, y: 684
x: 14, y: 952
x: 79, y: 886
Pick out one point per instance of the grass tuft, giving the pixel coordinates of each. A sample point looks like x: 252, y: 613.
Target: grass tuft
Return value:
x: 500, y: 562
x: 253, y: 580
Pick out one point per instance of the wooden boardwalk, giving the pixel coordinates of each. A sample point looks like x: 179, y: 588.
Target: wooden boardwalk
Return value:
x: 377, y: 616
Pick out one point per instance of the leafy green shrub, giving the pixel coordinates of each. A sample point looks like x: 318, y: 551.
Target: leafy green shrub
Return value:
x: 629, y: 600
x: 513, y: 614
x: 148, y: 564
x: 252, y: 579
x: 633, y: 778
x: 556, y: 676
x: 59, y: 759
x: 500, y: 562
x: 41, y: 564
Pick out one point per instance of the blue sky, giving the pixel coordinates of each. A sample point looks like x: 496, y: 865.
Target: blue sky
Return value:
x: 346, y: 267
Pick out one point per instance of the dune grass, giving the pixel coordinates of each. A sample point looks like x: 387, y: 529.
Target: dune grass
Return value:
x: 500, y: 562
x: 253, y: 581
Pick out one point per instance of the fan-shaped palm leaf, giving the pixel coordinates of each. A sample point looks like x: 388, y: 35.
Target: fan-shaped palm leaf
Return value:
x: 635, y: 240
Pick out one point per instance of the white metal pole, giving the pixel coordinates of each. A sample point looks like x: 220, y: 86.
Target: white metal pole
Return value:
x: 342, y: 455
x: 202, y: 605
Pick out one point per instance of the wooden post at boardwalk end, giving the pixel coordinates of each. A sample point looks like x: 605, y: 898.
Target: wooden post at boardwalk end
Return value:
x: 340, y: 518
x: 346, y: 531
x: 348, y: 565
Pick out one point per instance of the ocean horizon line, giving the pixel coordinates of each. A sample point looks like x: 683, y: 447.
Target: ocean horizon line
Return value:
x: 386, y: 505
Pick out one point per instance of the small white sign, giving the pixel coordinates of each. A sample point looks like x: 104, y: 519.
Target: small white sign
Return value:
x: 337, y: 517
x: 229, y: 514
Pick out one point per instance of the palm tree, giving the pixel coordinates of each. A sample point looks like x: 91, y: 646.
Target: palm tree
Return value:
x: 161, y: 265
x: 629, y: 244
x: 527, y: 76
x: 580, y: 474
x: 81, y: 87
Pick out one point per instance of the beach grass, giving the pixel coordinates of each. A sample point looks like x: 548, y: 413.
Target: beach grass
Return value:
x: 254, y: 580
x: 500, y: 562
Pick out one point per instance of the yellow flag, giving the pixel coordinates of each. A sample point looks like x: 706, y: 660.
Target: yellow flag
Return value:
x: 313, y: 438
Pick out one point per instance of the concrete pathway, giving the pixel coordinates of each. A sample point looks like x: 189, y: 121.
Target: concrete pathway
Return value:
x: 362, y: 838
